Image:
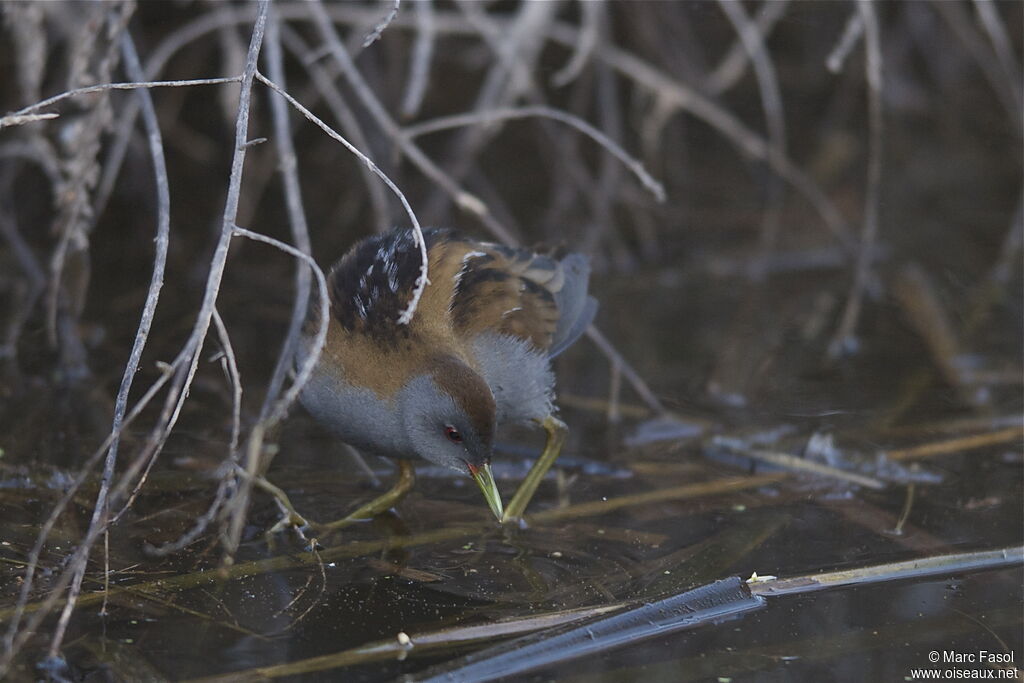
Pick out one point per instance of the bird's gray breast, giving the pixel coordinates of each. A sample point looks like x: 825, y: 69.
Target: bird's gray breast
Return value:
x: 356, y: 415
x: 519, y: 377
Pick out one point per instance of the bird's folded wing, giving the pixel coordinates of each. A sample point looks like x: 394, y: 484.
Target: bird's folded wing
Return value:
x: 504, y: 290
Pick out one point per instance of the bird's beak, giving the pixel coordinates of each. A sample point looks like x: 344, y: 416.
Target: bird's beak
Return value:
x: 485, y: 480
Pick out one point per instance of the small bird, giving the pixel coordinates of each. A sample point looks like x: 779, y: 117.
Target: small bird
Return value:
x: 475, y: 355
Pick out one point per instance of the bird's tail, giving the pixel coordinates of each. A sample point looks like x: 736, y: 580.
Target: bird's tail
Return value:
x: 576, y: 308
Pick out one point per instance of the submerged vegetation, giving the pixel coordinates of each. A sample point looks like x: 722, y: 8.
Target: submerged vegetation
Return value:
x: 805, y: 222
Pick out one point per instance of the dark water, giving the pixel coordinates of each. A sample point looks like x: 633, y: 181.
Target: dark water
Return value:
x: 636, y: 510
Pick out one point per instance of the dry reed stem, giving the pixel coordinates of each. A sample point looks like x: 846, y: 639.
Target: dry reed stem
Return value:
x: 512, y: 76
x: 351, y: 549
x: 957, y: 445
x: 425, y: 643
x: 843, y: 341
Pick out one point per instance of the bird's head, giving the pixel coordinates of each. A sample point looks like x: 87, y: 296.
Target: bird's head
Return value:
x: 449, y: 416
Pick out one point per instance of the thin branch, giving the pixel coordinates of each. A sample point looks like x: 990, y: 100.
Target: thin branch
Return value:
x: 732, y: 67
x: 421, y: 281
x: 471, y: 119
x: 12, y: 120
x: 847, y: 41
x: 133, y: 85
x: 100, y: 510
x: 461, y: 197
x: 326, y: 85
x: 771, y: 98
x: 631, y: 375
x: 687, y: 99
x: 590, y: 33
x: 191, y: 350
x: 234, y: 379
x: 254, y: 447
x: 419, y: 60
x: 375, y: 34
x: 288, y: 167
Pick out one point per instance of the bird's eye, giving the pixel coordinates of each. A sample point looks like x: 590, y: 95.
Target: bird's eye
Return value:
x: 453, y: 434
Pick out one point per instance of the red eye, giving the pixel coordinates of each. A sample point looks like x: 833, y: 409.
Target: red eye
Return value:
x: 453, y: 434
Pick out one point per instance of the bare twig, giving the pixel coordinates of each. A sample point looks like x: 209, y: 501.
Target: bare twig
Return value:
x: 771, y: 99
x: 12, y: 120
x: 326, y: 85
x: 463, y: 199
x: 296, y: 213
x: 190, y: 354
x: 375, y: 34
x: 419, y: 60
x: 132, y: 85
x: 958, y: 444
x: 234, y: 379
x: 590, y: 33
x: 732, y: 67
x: 847, y: 41
x: 240, y: 502
x: 100, y: 510
x: 633, y: 164
x: 421, y: 281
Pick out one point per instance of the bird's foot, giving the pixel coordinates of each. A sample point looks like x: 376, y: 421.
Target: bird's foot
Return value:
x: 377, y: 506
x: 556, y: 431
x: 293, y: 524
x: 290, y: 521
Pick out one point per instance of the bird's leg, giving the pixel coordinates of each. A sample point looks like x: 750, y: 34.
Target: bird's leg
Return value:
x: 290, y: 519
x: 380, y: 504
x: 556, y: 431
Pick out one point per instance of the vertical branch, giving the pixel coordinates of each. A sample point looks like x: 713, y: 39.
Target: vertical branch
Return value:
x: 422, y: 281
x: 326, y: 85
x: 296, y: 212
x: 100, y: 510
x: 69, y: 263
x: 844, y: 340
x: 1003, y: 47
x: 734, y: 64
x: 163, y: 193
x: 461, y: 197
x: 194, y: 345
x: 593, y: 19
x: 771, y: 98
x: 300, y: 235
x: 379, y: 29
x: 419, y: 61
